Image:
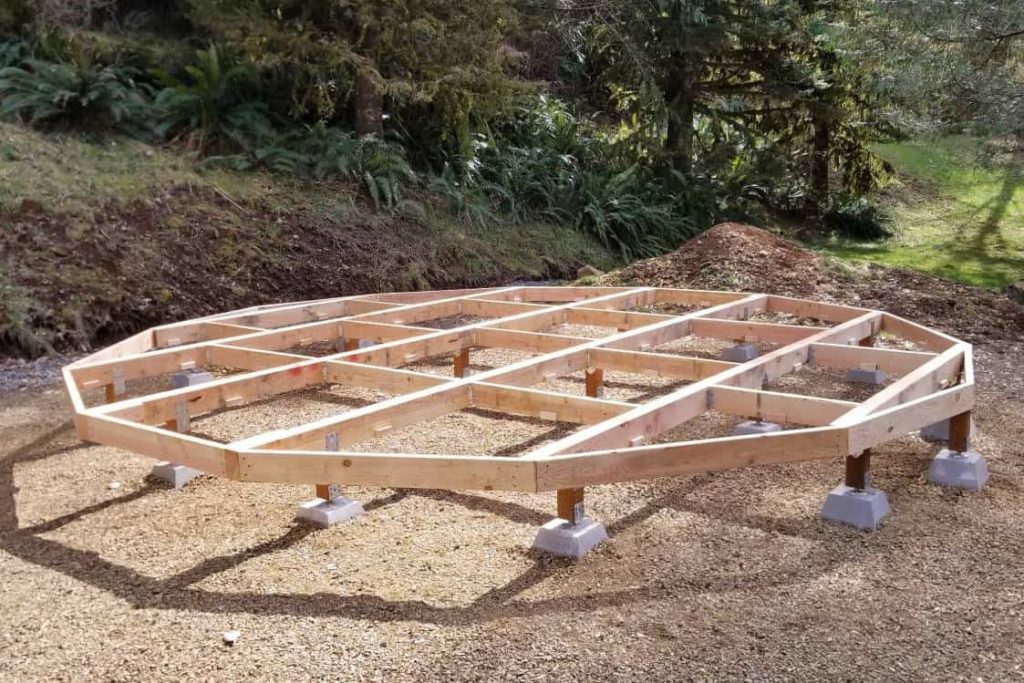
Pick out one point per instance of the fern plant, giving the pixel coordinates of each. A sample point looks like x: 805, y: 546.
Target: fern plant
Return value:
x: 76, y: 94
x: 210, y: 108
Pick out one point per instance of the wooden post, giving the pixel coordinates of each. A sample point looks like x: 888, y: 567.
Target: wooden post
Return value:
x: 461, y: 361
x: 323, y: 491
x: 960, y: 432
x: 595, y: 382
x: 172, y: 425
x: 857, y: 468
x: 867, y: 341
x: 111, y: 393
x: 570, y: 505
x: 351, y: 344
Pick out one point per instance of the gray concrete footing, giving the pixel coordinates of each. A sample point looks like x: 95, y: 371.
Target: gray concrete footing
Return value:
x: 175, y: 475
x: 190, y: 379
x: 755, y: 427
x: 939, y: 431
x: 325, y: 513
x: 740, y: 353
x: 966, y: 470
x: 861, y: 508
x: 861, y: 376
x: 566, y: 539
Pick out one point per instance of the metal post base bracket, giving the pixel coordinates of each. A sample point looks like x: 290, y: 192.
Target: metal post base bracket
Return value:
x: 756, y: 427
x: 966, y: 470
x: 565, y: 539
x: 325, y: 513
x: 861, y: 508
x: 861, y: 376
x: 175, y: 475
x: 740, y: 353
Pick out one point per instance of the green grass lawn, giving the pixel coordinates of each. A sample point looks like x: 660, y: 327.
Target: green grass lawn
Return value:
x: 955, y: 218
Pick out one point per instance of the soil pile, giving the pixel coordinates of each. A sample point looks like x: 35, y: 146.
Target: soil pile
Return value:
x: 745, y: 258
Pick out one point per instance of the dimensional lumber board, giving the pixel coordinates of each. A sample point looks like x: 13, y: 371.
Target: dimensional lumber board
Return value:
x: 122, y: 396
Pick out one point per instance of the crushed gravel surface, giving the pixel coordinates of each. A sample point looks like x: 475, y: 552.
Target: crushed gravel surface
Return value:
x: 725, y: 576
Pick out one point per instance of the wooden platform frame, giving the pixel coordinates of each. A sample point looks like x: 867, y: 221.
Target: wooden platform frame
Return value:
x: 614, y: 443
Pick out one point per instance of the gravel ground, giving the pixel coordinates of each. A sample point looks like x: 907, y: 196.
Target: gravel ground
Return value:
x: 726, y: 576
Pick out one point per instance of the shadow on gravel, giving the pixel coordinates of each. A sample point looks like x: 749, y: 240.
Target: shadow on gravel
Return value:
x: 175, y: 592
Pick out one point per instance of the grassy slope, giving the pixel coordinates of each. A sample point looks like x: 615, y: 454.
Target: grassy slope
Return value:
x: 103, y: 236
x: 955, y: 219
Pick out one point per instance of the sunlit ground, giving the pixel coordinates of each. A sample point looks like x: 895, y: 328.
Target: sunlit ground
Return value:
x: 955, y: 218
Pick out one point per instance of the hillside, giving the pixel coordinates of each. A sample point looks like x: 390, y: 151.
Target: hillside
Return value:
x: 103, y: 238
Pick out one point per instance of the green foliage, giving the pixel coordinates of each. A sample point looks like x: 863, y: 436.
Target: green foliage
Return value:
x: 859, y: 219
x: 72, y: 94
x: 210, y: 107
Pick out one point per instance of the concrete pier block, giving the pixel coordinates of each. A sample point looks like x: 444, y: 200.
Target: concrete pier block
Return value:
x: 740, y: 353
x: 175, y: 475
x: 939, y: 431
x: 966, y: 470
x: 190, y: 379
x: 566, y: 539
x: 325, y: 513
x: 755, y: 427
x: 861, y: 508
x: 862, y: 376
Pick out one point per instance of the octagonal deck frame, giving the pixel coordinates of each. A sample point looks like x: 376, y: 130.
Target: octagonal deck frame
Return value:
x: 614, y: 444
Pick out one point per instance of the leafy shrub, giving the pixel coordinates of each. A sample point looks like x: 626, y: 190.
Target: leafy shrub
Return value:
x: 13, y: 52
x: 73, y: 94
x: 623, y: 212
x: 211, y: 108
x: 857, y: 218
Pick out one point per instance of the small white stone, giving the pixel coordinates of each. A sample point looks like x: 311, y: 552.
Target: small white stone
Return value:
x: 114, y: 485
x: 231, y: 637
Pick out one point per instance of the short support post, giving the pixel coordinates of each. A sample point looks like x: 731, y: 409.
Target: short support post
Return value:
x: 330, y: 505
x: 958, y: 466
x: 461, y: 362
x: 857, y: 470
x: 867, y: 341
x: 111, y: 394
x: 960, y: 432
x: 570, y: 534
x: 351, y: 344
x: 570, y: 505
x: 855, y: 502
x: 595, y: 382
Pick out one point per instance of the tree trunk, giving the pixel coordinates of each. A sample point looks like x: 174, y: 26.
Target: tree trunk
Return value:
x: 819, y: 161
x: 369, y: 105
x: 680, y: 98
x: 369, y: 97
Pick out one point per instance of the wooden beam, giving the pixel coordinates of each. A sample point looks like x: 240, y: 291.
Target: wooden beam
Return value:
x: 892, y: 423
x: 546, y: 405
x: 777, y: 407
x: 743, y: 330
x: 665, y: 364
x: 391, y: 470
x: 844, y: 356
x: 688, y: 457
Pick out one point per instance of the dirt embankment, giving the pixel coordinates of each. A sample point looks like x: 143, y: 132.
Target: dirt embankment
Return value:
x: 742, y: 257
x: 69, y: 283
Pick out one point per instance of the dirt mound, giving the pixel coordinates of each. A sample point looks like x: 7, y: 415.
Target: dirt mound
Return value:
x: 744, y: 258
x: 69, y: 283
x: 733, y: 256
